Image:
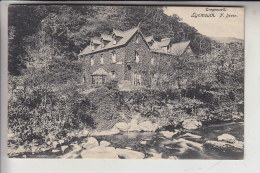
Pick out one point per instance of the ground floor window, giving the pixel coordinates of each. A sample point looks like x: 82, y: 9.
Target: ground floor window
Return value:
x: 98, y: 79
x: 137, y: 79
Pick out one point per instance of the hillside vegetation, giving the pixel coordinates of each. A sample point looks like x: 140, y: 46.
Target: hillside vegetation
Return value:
x: 48, y: 101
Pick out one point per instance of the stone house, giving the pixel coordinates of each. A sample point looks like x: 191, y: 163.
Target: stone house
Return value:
x: 128, y: 58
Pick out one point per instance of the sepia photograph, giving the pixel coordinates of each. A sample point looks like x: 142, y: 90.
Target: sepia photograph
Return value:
x: 125, y: 82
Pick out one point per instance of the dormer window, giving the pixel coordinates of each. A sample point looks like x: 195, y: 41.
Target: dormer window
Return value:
x: 113, y: 57
x: 101, y: 60
x: 137, y: 57
x: 102, y: 43
x: 92, y: 61
x: 114, y: 39
x: 92, y: 46
x: 137, y: 39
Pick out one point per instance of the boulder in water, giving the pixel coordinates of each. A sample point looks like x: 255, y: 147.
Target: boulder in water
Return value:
x: 147, y: 126
x: 143, y: 142
x: 99, y: 153
x: 227, y: 138
x: 134, y: 128
x: 224, y: 146
x: 129, y: 154
x: 55, y: 144
x: 122, y: 126
x: 104, y: 143
x: 191, y: 124
x: 155, y: 154
x: 55, y: 151
x: 64, y: 147
x: 134, y: 121
x: 173, y: 158
x: 189, y: 135
x: 112, y: 131
x: 167, y: 134
x: 61, y: 142
x: 74, y: 153
x: 91, y: 143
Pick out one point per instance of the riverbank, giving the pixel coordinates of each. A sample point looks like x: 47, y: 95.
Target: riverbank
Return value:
x: 201, y: 143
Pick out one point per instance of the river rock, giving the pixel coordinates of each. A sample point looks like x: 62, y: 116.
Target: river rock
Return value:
x: 61, y: 142
x: 189, y: 135
x: 20, y: 149
x: 55, y: 151
x: 227, y: 138
x: 134, y: 128
x: 155, y: 154
x: 191, y: 124
x: 143, y: 142
x: 63, y: 148
x: 91, y: 143
x: 147, y: 126
x: 134, y: 121
x: 173, y: 157
x: 129, y: 154
x: 74, y: 153
x: 112, y: 131
x: 55, y: 144
x: 122, y: 126
x: 99, y: 153
x: 104, y: 144
x: 83, y: 133
x: 167, y: 134
x: 236, y: 147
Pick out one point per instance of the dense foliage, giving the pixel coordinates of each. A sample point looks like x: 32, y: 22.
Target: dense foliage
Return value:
x: 48, y: 101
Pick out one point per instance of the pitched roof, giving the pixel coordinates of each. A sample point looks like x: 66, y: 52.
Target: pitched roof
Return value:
x: 106, y: 37
x: 157, y: 45
x: 96, y: 40
x: 126, y: 37
x: 100, y: 72
x: 176, y: 49
x: 149, y: 38
x: 179, y: 48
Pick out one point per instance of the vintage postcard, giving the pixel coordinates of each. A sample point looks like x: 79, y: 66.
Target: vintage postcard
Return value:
x: 125, y: 82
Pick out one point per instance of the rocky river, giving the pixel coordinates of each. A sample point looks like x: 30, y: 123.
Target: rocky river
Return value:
x: 216, y: 141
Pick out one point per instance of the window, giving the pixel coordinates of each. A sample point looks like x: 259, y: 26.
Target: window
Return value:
x: 92, y: 61
x: 114, y: 39
x: 101, y: 60
x: 113, y: 57
x: 113, y: 74
x: 137, y: 57
x: 137, y: 79
x: 102, y: 44
x: 92, y: 46
x: 152, y: 61
x: 137, y: 39
x: 98, y: 79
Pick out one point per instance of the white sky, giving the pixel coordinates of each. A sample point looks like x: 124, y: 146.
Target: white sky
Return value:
x: 209, y: 26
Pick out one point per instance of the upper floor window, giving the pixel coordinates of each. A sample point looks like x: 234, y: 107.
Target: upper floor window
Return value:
x: 92, y: 61
x: 137, y: 39
x: 101, y: 60
x: 113, y: 74
x: 114, y: 39
x: 102, y: 44
x: 152, y: 61
x: 137, y: 57
x: 113, y: 57
x: 92, y: 46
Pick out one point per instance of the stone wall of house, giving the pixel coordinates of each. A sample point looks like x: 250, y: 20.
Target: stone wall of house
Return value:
x: 107, y: 65
x: 143, y: 66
